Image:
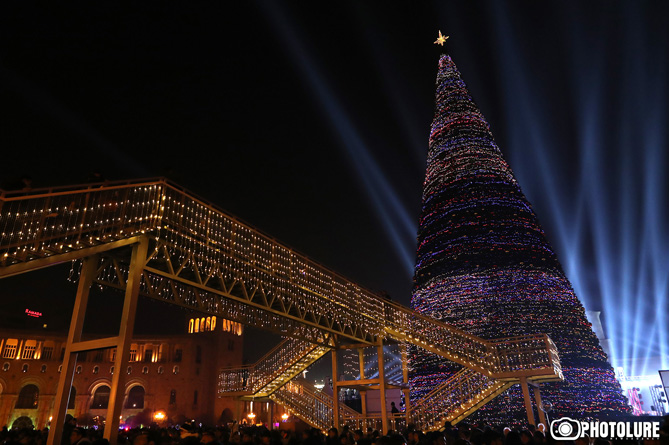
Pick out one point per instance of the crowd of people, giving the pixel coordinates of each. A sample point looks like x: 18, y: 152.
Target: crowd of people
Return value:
x: 187, y: 434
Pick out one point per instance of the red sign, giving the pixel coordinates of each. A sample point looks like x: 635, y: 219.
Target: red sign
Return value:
x: 35, y: 314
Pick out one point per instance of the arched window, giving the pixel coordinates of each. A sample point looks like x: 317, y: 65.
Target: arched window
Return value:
x: 190, y: 326
x: 101, y: 397
x: 96, y: 369
x: 202, y: 324
x: 161, y: 369
x: 28, y: 397
x: 175, y: 370
x: 43, y: 369
x: 5, y: 366
x: 208, y: 324
x: 135, y: 398
x: 24, y: 368
x: 73, y: 397
x: 129, y: 369
x: 78, y: 370
x: 197, y: 325
x: 145, y: 370
x: 213, y: 323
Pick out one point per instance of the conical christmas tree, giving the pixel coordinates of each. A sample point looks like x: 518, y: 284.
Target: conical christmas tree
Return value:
x: 484, y: 265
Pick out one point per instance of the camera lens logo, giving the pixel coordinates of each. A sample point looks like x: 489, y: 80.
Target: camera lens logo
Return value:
x: 565, y: 429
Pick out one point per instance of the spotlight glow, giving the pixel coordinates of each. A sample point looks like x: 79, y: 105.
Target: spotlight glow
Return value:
x: 609, y: 225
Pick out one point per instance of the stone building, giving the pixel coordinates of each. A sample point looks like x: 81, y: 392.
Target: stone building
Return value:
x: 169, y: 378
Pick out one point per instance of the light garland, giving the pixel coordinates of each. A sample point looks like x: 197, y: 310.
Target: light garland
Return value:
x: 484, y: 265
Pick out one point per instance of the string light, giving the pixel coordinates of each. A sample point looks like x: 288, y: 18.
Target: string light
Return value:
x: 484, y: 266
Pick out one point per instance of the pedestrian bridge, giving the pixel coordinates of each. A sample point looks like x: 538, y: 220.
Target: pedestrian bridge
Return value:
x: 153, y: 238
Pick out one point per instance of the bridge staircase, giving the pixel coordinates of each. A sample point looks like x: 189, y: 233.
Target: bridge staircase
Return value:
x: 279, y: 366
x: 153, y: 238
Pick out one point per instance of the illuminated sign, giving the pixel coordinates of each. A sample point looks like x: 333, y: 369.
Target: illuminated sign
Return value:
x: 35, y: 314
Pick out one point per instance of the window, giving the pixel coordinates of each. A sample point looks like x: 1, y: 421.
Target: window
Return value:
x: 5, y: 366
x: 112, y: 355
x: 177, y: 354
x: 129, y: 370
x: 133, y: 353
x: 161, y: 369
x: 213, y: 323
x: 173, y: 397
x: 81, y: 356
x: 198, y: 354
x: 175, y: 370
x: 9, y: 351
x: 207, y: 325
x: 78, y: 370
x: 47, y: 352
x: 145, y: 370
x: 28, y: 351
x: 190, y: 326
x: 195, y: 397
x: 135, y: 398
x: 99, y: 355
x: 197, y: 325
x: 111, y: 370
x: 148, y: 355
x: 24, y: 368
x: 43, y: 369
x: 101, y: 397
x: 96, y: 369
x: 62, y: 354
x: 60, y: 368
x: 28, y: 397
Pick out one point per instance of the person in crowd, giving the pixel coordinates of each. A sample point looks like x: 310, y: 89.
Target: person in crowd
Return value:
x: 333, y: 437
x: 78, y: 437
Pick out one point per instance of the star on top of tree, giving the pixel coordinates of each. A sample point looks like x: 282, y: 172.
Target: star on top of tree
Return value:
x: 441, y: 39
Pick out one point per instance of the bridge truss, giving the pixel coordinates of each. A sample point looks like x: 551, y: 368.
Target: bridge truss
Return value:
x: 155, y: 239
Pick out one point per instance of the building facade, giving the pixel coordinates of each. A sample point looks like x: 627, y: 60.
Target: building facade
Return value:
x: 168, y: 378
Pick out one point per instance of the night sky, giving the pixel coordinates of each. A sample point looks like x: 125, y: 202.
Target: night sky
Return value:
x: 310, y: 121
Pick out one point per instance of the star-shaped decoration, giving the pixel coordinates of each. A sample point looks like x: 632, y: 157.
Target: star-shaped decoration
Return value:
x: 441, y: 39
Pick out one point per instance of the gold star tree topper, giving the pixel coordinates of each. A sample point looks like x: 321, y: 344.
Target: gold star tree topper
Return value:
x: 441, y: 39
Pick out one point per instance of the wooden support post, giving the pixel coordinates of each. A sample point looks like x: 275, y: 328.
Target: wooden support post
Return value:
x: 537, y: 400
x: 88, y: 271
x: 117, y: 393
x: 382, y: 387
x: 363, y: 401
x: 238, y: 411
x: 405, y: 378
x: 361, y: 359
x: 363, y: 394
x: 335, y: 391
x: 528, y: 401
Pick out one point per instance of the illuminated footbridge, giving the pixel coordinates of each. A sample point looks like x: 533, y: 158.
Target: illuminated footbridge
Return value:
x: 155, y: 239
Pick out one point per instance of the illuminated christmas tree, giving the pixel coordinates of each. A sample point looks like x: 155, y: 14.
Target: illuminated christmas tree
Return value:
x: 484, y: 265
